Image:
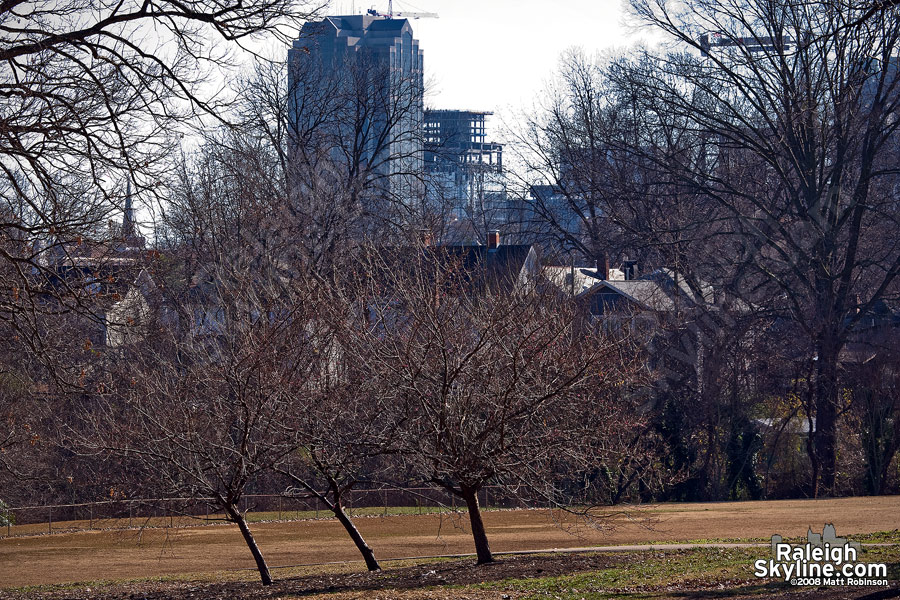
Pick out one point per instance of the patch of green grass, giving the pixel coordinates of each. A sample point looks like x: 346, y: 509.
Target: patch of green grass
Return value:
x: 751, y: 540
x: 728, y: 571
x: 652, y: 570
x: 890, y: 555
x: 879, y: 537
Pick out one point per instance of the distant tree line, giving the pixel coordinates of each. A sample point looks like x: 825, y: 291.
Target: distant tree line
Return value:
x: 756, y: 156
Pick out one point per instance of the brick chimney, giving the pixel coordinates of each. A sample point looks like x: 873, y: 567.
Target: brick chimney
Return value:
x: 631, y: 269
x: 603, y: 267
x: 493, y: 239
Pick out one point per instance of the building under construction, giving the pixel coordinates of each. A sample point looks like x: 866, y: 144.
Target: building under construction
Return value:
x: 464, y: 170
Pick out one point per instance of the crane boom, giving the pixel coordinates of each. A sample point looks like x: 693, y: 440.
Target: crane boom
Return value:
x: 390, y: 14
x: 415, y: 15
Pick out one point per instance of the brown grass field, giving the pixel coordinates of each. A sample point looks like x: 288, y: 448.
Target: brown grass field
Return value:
x: 152, y: 552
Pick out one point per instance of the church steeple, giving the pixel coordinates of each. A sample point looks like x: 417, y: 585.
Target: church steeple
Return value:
x: 128, y: 219
x: 129, y: 237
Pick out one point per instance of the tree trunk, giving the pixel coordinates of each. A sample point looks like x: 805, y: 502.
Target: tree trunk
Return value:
x: 337, y: 508
x: 482, y: 549
x: 368, y: 555
x: 889, y: 455
x: 261, y: 565
x: 826, y: 414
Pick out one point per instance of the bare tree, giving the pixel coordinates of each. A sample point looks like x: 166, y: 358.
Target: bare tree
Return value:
x: 498, y: 382
x: 596, y: 155
x: 333, y: 151
x: 872, y: 377
x: 196, y: 401
x: 346, y: 430
x: 199, y: 410
x: 338, y: 432
x: 232, y: 215
x: 92, y: 98
x: 564, y: 146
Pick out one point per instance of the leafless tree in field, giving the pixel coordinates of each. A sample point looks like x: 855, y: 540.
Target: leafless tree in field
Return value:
x: 196, y: 404
x: 346, y: 432
x: 233, y: 225
x: 498, y: 382
x: 198, y: 410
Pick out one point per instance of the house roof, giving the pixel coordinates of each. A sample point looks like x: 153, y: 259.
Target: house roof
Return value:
x: 662, y: 290
x: 498, y: 262
x: 648, y: 294
x: 584, y: 277
x: 477, y: 267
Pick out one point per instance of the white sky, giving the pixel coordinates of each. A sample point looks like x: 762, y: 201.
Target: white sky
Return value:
x: 496, y: 55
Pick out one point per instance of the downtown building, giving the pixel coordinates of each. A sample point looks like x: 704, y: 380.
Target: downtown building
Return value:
x: 355, y: 102
x: 464, y: 171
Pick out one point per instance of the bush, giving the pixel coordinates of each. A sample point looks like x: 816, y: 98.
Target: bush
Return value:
x: 6, y: 516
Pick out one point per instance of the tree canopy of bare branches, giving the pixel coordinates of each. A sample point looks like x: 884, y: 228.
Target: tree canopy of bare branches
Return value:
x: 499, y: 386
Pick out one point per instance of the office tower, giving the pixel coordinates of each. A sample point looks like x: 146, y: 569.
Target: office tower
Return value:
x: 356, y: 96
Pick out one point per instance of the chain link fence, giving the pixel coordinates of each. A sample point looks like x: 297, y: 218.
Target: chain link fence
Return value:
x: 182, y: 512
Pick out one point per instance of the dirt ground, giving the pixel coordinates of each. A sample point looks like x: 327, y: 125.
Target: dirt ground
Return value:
x: 442, y: 581
x: 104, y: 555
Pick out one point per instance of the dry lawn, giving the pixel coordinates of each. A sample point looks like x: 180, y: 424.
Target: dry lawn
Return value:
x: 105, y: 555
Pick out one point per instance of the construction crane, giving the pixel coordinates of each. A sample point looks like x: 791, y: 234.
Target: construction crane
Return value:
x: 390, y: 14
x: 753, y: 45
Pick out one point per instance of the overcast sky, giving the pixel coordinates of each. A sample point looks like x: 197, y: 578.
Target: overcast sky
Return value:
x: 496, y: 54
